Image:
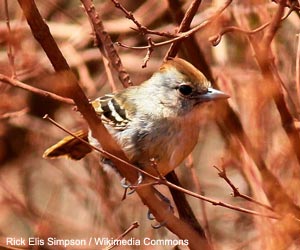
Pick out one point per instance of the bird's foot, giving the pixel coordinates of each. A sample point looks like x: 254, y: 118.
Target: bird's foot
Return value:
x: 168, y: 202
x: 126, y: 185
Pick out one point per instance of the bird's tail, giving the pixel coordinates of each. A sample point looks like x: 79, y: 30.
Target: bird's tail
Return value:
x: 70, y: 147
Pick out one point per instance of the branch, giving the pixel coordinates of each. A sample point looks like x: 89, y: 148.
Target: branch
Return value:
x: 18, y: 84
x: 140, y: 28
x: 274, y: 25
x: 10, y: 54
x: 182, y: 35
x: 236, y: 193
x: 42, y: 34
x: 127, y: 231
x: 184, y: 26
x: 222, y: 204
x: 105, y: 41
x: 291, y: 4
x: 298, y: 75
x: 215, y: 40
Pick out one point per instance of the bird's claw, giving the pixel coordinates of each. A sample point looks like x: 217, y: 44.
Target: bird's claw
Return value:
x: 150, y: 216
x: 127, y: 185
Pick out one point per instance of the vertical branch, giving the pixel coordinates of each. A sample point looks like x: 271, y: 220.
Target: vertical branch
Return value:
x: 298, y: 75
x: 190, y: 47
x: 274, y: 26
x: 184, y: 25
x: 106, y: 42
x: 10, y: 54
x: 272, y: 79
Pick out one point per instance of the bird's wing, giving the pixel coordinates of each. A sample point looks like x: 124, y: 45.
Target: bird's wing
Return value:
x: 111, y: 110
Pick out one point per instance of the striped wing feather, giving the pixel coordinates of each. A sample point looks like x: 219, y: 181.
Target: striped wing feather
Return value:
x: 111, y: 111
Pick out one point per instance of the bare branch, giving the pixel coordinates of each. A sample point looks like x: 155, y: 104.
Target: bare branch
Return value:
x: 127, y: 231
x: 107, y: 43
x: 16, y: 83
x: 140, y: 28
x: 10, y: 54
x: 236, y: 193
x: 184, y: 26
x: 182, y: 35
x: 298, y: 74
x: 274, y: 25
x: 215, y: 40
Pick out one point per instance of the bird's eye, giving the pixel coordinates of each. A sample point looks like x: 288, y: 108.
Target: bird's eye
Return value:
x: 185, y: 89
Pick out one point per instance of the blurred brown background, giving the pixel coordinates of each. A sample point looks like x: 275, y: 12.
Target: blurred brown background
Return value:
x: 68, y: 199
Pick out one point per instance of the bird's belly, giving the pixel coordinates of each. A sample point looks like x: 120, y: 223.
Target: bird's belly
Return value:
x: 168, y: 145
x: 165, y: 143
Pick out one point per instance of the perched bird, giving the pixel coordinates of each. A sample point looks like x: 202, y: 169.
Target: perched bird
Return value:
x: 158, y: 119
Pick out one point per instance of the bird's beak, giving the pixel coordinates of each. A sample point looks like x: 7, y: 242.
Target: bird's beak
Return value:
x: 212, y: 95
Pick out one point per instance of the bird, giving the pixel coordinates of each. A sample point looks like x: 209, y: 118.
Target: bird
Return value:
x: 156, y: 120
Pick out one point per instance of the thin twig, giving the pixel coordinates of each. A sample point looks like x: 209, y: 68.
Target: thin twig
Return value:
x: 236, y: 193
x: 182, y: 35
x: 149, y: 52
x: 140, y: 28
x: 215, y: 40
x: 222, y: 204
x: 16, y: 83
x: 127, y: 231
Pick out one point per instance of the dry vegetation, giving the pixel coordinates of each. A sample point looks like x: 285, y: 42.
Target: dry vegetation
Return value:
x: 249, y: 146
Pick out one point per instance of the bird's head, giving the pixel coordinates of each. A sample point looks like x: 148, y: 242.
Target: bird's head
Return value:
x: 183, y: 87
